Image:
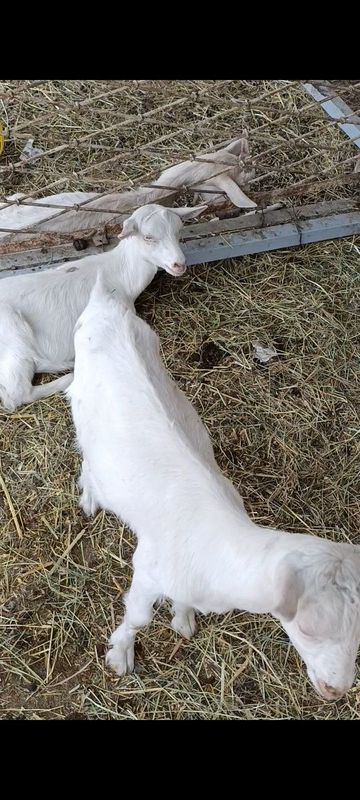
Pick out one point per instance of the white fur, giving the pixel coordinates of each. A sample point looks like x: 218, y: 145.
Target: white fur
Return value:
x: 225, y: 180
x: 148, y: 458
x: 38, y: 312
x: 19, y: 215
x: 184, y: 174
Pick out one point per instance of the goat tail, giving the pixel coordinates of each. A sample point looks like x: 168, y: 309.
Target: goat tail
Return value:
x: 47, y: 389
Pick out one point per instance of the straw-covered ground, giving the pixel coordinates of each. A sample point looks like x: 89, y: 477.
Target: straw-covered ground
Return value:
x: 100, y: 140
x: 286, y: 433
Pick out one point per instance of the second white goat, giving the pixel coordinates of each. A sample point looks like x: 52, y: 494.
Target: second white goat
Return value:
x: 148, y: 458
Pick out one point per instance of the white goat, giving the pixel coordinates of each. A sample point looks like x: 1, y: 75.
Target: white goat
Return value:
x: 38, y: 312
x: 229, y: 162
x: 148, y: 458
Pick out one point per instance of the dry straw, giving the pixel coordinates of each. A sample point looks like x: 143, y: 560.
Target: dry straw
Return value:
x: 286, y: 433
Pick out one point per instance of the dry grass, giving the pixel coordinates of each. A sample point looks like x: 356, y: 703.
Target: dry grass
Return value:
x: 285, y: 433
x: 204, y: 115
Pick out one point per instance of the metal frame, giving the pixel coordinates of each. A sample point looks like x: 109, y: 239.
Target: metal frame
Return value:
x: 336, y: 109
x: 231, y: 238
x: 221, y: 239
x: 276, y: 237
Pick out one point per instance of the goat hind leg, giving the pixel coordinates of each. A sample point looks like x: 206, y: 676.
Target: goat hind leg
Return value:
x: 51, y: 387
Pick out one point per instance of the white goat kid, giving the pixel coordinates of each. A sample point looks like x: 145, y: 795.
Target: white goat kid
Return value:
x: 38, y: 312
x: 238, y: 172
x: 148, y: 458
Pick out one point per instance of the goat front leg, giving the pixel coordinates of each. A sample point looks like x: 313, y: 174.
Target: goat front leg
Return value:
x: 183, y: 621
x: 88, y: 500
x: 138, y: 613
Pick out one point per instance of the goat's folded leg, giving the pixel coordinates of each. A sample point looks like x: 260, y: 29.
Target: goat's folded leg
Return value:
x: 15, y: 380
x: 18, y: 357
x: 183, y: 621
x: 16, y: 387
x: 138, y: 613
x: 17, y: 363
x: 50, y: 388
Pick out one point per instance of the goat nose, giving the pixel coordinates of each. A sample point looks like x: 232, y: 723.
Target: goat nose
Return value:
x: 330, y: 692
x: 178, y: 268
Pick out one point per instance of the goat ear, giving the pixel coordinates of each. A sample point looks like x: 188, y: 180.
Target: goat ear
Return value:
x: 316, y: 621
x: 190, y: 212
x: 289, y: 586
x: 239, y: 147
x: 233, y: 191
x: 129, y: 228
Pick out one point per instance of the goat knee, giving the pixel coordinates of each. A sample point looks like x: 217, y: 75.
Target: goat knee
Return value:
x: 8, y: 402
x: 14, y: 394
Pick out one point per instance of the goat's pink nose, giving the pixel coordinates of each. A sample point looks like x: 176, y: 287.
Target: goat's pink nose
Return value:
x: 177, y: 269
x: 330, y: 692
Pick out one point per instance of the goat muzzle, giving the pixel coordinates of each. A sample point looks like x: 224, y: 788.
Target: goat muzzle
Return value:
x: 177, y: 269
x: 329, y: 693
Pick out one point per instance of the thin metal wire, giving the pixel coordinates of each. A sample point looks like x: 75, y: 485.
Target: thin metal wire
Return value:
x: 254, y: 158
x: 9, y: 95
x: 74, y: 105
x: 128, y: 120
x: 28, y: 200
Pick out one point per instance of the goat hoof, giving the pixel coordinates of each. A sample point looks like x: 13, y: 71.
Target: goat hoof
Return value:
x: 184, y: 624
x: 7, y: 403
x: 121, y: 659
x: 88, y: 504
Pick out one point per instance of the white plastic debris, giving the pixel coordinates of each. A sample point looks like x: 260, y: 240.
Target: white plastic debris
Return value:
x: 264, y: 354
x: 30, y: 151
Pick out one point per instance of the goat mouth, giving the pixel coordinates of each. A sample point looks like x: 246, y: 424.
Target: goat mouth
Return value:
x: 177, y: 269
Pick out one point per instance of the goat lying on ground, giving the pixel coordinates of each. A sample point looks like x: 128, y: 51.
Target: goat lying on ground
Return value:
x: 148, y: 458
x: 38, y: 312
x: 229, y: 162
